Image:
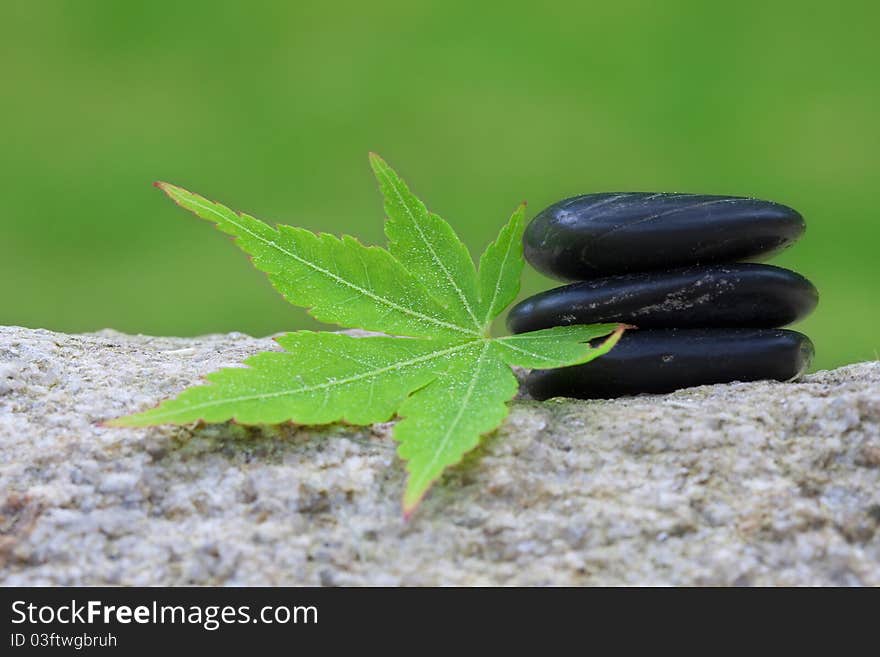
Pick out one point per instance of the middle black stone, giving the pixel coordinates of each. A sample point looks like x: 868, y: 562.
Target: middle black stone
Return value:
x: 734, y: 295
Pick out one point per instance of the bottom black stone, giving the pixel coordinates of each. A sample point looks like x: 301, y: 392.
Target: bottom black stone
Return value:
x: 663, y: 360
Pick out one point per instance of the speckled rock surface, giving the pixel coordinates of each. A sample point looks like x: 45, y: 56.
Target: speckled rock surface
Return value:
x: 758, y: 483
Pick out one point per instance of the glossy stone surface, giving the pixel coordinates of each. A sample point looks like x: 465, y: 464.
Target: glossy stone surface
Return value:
x: 615, y: 233
x: 663, y: 360
x: 736, y: 295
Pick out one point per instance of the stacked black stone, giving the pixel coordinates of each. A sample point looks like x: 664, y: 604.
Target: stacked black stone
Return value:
x: 673, y: 266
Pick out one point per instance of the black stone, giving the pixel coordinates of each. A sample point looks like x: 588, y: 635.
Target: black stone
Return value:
x: 663, y: 360
x: 616, y: 233
x: 735, y: 295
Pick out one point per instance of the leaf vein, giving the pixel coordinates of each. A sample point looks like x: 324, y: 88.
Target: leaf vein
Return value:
x: 525, y: 351
x: 326, y: 385
x: 498, y: 283
x: 444, y: 442
x: 336, y: 277
x: 434, y: 256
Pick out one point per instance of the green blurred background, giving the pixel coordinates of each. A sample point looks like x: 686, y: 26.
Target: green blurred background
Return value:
x: 272, y: 107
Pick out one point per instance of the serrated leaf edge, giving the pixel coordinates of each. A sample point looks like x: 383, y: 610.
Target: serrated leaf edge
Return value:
x: 409, y: 505
x: 157, y: 417
x: 165, y: 187
x: 518, y: 216
x: 382, y: 169
x: 591, y: 353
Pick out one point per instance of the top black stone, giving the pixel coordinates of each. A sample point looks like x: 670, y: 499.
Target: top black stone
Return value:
x: 613, y: 233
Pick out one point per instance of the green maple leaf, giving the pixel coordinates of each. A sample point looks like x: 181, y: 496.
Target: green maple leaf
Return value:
x: 444, y: 375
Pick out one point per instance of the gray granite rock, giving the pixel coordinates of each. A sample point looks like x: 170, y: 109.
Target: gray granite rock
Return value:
x: 757, y: 483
